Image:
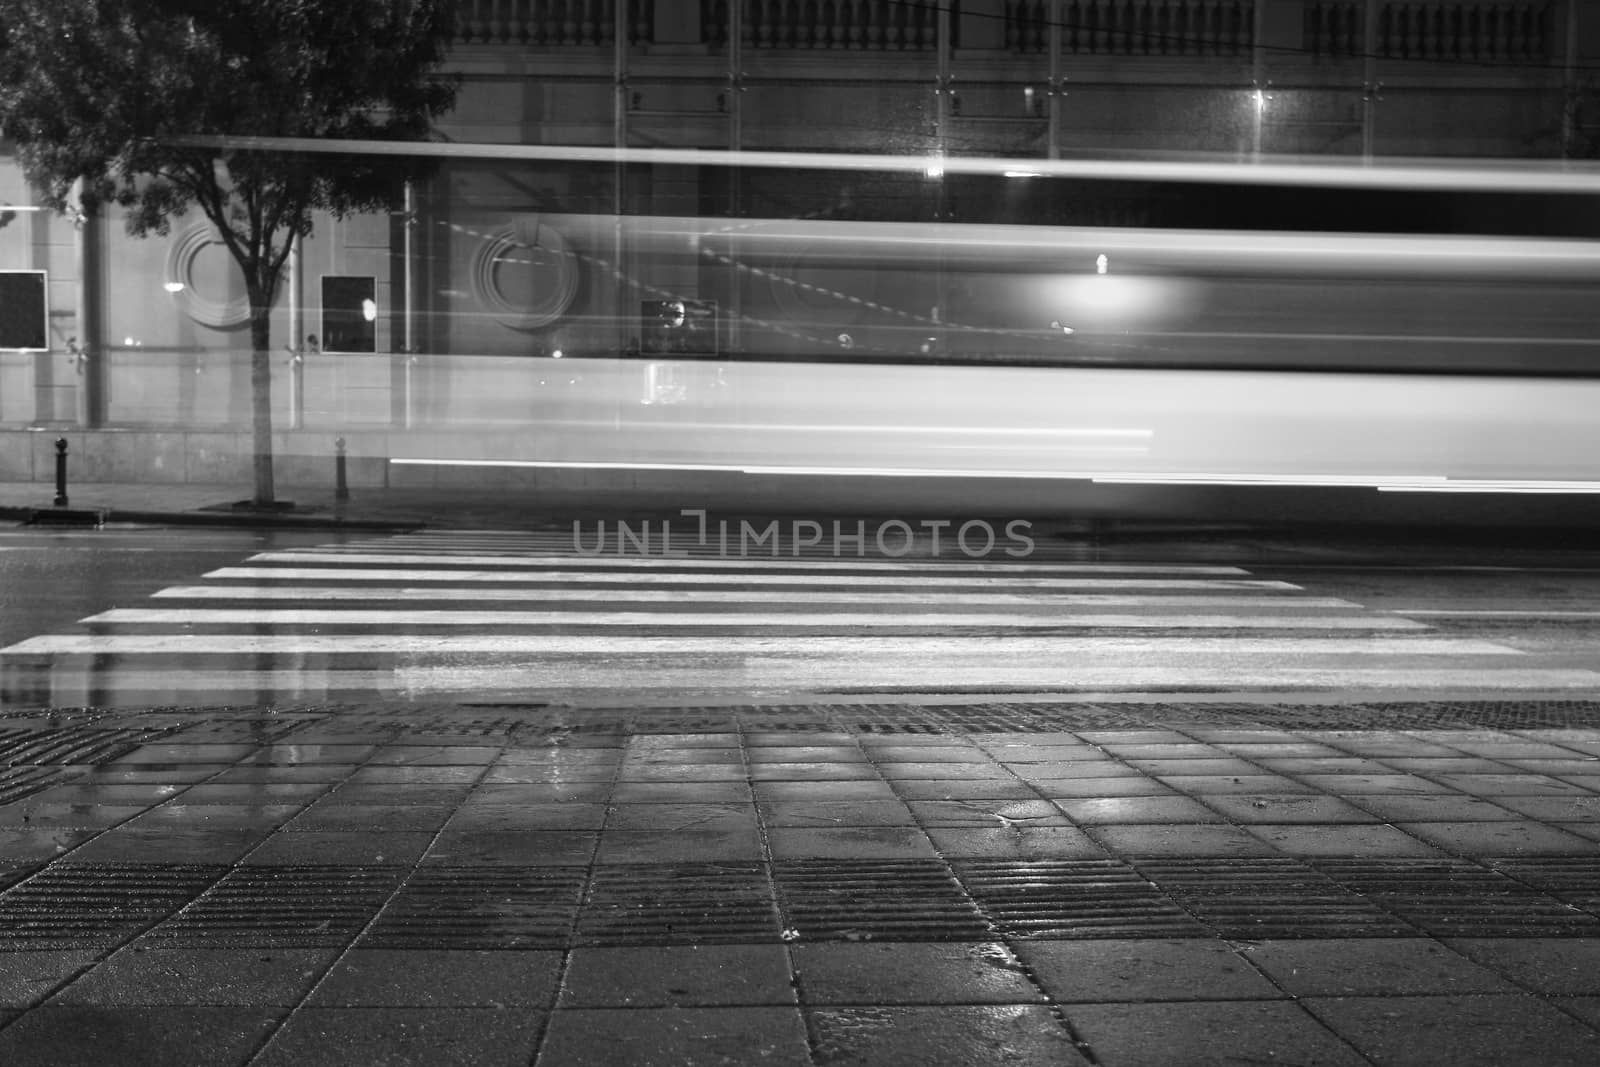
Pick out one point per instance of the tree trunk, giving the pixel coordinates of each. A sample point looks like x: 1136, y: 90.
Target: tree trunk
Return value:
x: 261, y: 396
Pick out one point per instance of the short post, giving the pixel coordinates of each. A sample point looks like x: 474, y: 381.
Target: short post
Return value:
x: 341, y: 489
x: 61, y: 472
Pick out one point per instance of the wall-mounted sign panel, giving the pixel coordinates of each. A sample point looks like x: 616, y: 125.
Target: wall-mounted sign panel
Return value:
x: 24, y: 311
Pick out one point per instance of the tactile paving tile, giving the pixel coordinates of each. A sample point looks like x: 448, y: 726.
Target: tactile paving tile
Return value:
x: 1458, y: 898
x: 69, y: 905
x: 865, y: 900
x: 1572, y: 879
x: 282, y: 907
x: 1063, y: 899
x: 1272, y: 897
x: 678, y: 904
x: 63, y: 745
x: 481, y: 907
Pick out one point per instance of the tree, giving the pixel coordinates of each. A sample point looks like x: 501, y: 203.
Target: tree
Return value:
x: 109, y: 99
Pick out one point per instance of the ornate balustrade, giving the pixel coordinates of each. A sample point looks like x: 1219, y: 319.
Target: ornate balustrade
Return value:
x: 1433, y: 29
x: 1134, y: 27
x: 552, y: 23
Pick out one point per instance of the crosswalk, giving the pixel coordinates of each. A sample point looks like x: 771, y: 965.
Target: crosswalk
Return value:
x: 433, y: 614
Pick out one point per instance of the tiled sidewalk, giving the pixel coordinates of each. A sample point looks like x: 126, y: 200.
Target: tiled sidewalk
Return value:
x: 1112, y: 884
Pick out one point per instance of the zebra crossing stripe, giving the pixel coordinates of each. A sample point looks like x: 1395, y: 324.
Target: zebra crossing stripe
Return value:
x: 391, y: 574
x: 841, y: 619
x: 899, y: 567
x: 85, y: 686
x: 752, y: 596
x: 837, y: 649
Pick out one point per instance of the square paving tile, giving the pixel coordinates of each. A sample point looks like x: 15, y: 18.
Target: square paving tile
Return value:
x: 1208, y: 1034
x: 681, y: 793
x: 912, y: 973
x: 1435, y: 807
x: 200, y: 977
x: 1138, y: 810
x: 410, y: 775
x: 949, y: 789
x: 1287, y: 808
x: 813, y: 772
x: 680, y: 976
x: 1219, y: 763
x: 1229, y: 784
x: 435, y: 755
x: 946, y: 1034
x: 254, y: 793
x: 27, y: 977
x: 515, y: 848
x: 945, y: 771
x: 1130, y: 785
x: 1371, y: 967
x: 335, y: 1037
x: 1561, y: 965
x: 33, y: 815
x: 1553, y: 809
x: 370, y: 817
x: 682, y: 773
x: 339, y: 848
x: 546, y: 816
x: 1143, y: 970
x: 1464, y: 1031
x: 681, y: 817
x: 658, y: 1037
x: 892, y: 752
x: 1353, y: 840
x: 989, y: 813
x: 180, y: 816
x: 1518, y: 837
x: 163, y: 846
x: 93, y: 1035
x: 811, y: 754
x: 679, y: 846
x: 437, y: 978
x: 1516, y: 785
x: 859, y: 842
x: 875, y: 789
x: 837, y: 813
x: 1349, y: 785
x: 1014, y: 842
x: 1174, y: 841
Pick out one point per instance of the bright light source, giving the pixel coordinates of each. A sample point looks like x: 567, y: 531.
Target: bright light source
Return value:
x: 369, y: 310
x: 1023, y: 174
x: 557, y: 354
x: 1100, y: 264
x: 1261, y: 100
x: 934, y: 168
x: 173, y: 287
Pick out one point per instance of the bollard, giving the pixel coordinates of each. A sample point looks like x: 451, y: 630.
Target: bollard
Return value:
x: 61, y: 472
x: 341, y: 489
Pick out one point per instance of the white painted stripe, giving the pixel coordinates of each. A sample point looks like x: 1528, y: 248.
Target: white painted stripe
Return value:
x: 1494, y: 613
x: 753, y: 596
x: 530, y: 683
x: 389, y: 574
x: 1023, y: 649
x: 1009, y: 620
x: 755, y: 561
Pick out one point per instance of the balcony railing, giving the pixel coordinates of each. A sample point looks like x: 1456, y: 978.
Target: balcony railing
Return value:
x: 552, y: 23
x: 1504, y: 30
x: 1134, y: 27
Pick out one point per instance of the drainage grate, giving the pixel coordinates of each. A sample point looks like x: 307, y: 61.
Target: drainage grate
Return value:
x: 678, y: 904
x: 68, y: 905
x: 1064, y: 899
x: 1456, y: 898
x: 864, y: 900
x: 481, y: 907
x: 1265, y: 898
x: 282, y: 906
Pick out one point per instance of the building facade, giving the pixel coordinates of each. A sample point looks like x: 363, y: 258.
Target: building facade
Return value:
x: 142, y: 356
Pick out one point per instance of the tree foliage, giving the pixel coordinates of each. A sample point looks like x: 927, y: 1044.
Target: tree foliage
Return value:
x: 113, y: 96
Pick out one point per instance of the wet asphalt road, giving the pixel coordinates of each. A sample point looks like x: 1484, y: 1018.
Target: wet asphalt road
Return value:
x: 98, y: 615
